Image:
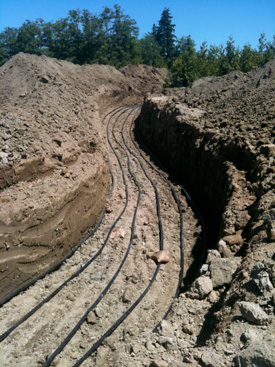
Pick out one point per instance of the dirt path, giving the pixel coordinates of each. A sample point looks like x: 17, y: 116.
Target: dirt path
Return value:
x: 127, y: 239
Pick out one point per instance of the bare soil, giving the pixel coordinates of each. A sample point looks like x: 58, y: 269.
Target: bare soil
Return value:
x: 216, y: 138
x: 54, y: 175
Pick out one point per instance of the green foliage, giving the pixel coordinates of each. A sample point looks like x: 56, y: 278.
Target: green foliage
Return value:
x: 8, y: 44
x: 151, y: 52
x: 112, y: 38
x: 165, y: 37
x: 185, y: 69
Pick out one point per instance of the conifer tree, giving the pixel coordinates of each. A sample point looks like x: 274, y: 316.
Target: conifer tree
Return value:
x: 165, y: 36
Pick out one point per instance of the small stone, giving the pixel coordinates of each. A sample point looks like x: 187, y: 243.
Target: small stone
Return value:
x: 269, y: 216
x: 210, y: 359
x: 204, y: 269
x: 149, y: 346
x: 158, y: 363
x: 99, y: 313
x: 222, y: 271
x: 166, y: 329
x: 200, y: 288
x: 161, y: 257
x: 253, y: 313
x: 183, y: 344
x: 188, y: 329
x: 91, y: 318
x: 264, y: 284
x: 249, y: 336
x: 127, y: 295
x: 224, y: 250
x: 213, y: 297
x: 3, y: 157
x: 242, y: 219
x: 44, y: 79
x: 166, y: 342
x: 235, y: 239
x: 211, y: 255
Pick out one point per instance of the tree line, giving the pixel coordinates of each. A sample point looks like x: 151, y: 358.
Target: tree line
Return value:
x: 111, y: 38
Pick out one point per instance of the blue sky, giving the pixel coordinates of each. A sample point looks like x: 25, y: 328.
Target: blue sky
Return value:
x: 205, y: 20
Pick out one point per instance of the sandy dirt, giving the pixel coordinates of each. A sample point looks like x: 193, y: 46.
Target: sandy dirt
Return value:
x: 216, y: 138
x: 54, y: 175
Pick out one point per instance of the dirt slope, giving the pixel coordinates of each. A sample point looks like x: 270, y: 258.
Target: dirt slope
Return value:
x: 54, y: 175
x: 218, y: 138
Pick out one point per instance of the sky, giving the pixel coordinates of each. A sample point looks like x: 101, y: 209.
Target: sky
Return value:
x: 205, y: 20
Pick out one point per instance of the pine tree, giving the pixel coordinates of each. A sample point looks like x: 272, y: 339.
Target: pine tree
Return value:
x: 165, y: 37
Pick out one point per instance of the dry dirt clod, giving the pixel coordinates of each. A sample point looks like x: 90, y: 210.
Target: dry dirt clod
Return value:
x: 161, y: 257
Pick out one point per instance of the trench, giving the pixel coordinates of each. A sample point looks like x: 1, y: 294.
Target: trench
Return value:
x: 199, y: 160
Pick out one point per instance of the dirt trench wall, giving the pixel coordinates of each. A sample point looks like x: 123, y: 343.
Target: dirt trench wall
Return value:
x: 203, y: 161
x: 54, y: 170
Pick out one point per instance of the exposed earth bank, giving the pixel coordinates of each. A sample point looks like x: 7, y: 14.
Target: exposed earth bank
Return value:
x: 54, y: 171
x: 218, y: 138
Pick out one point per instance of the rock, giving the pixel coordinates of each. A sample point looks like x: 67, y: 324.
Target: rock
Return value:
x: 183, y: 344
x: 118, y: 232
x: 242, y: 219
x: 249, y: 336
x: 149, y: 346
x: 269, y: 216
x: 210, y: 359
x: 127, y: 295
x: 200, y: 288
x: 158, y: 363
x: 271, y: 233
x: 234, y: 239
x: 204, y: 269
x: 99, y: 312
x: 224, y: 250
x: 44, y: 79
x: 268, y: 150
x: 257, y: 354
x: 188, y: 329
x: 3, y: 157
x: 222, y: 271
x: 161, y: 257
x: 167, y: 342
x: 166, y: 329
x: 264, y: 284
x: 269, y: 220
x: 260, y: 273
x: 253, y: 313
x: 213, y: 297
x: 211, y: 255
x: 91, y: 318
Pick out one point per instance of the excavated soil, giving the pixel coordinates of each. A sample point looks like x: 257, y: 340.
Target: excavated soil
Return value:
x: 216, y: 138
x: 54, y: 172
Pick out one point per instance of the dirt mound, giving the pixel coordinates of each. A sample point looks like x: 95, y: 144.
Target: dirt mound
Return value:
x: 54, y: 176
x: 144, y: 76
x: 218, y: 138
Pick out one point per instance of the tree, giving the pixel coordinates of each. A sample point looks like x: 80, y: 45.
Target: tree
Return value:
x: 185, y: 68
x: 150, y: 51
x: 8, y: 44
x: 230, y: 58
x: 122, y: 37
x: 165, y: 37
x: 266, y: 50
x: 248, y: 58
